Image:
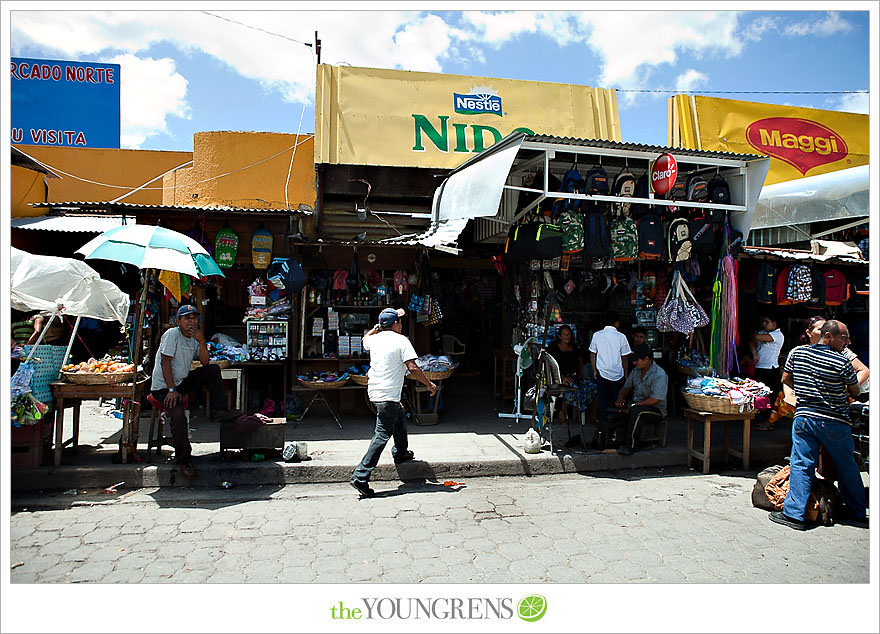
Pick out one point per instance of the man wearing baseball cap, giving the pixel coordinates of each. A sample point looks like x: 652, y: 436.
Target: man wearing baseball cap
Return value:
x: 391, y: 356
x: 172, y: 378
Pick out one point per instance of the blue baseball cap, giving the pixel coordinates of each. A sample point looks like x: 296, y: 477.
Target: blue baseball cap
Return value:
x: 186, y: 309
x: 389, y: 315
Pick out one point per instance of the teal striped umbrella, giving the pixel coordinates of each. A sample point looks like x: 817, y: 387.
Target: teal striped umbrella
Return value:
x: 151, y: 247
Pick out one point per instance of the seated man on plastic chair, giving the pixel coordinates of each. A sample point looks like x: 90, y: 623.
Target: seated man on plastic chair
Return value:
x: 648, y: 384
x: 172, y: 379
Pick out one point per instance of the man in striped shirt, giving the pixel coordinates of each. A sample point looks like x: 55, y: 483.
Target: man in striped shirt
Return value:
x: 822, y: 378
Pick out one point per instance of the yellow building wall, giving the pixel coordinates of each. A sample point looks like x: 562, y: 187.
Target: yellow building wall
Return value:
x: 90, y: 174
x: 246, y: 169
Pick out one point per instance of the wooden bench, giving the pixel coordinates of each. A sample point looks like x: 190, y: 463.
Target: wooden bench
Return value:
x: 707, y: 418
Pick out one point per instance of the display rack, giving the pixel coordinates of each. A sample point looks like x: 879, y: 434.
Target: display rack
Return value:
x: 268, y: 340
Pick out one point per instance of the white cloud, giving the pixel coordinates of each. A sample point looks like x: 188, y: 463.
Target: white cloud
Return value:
x: 830, y: 24
x: 151, y: 90
x: 858, y: 102
x: 690, y: 80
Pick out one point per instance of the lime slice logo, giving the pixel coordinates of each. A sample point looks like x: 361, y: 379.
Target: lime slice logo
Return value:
x: 532, y: 608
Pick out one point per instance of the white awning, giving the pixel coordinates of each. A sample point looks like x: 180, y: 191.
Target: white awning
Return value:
x: 840, y: 195
x: 82, y: 224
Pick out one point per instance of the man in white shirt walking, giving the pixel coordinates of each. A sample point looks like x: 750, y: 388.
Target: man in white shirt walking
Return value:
x: 609, y: 352
x: 391, y: 355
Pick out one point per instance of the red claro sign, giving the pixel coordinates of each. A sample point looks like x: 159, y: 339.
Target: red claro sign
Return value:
x: 664, y: 171
x: 801, y: 143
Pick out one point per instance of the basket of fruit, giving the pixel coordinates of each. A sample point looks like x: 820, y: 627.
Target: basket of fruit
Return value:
x: 93, y: 372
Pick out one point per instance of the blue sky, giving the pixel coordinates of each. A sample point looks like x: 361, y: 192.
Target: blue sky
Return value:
x: 186, y: 71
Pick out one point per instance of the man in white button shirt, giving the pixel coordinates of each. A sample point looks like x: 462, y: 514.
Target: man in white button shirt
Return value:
x: 609, y: 352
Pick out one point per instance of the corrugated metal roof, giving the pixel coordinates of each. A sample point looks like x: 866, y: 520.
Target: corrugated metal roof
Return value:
x: 72, y: 223
x: 798, y: 255
x: 134, y: 207
x: 639, y: 147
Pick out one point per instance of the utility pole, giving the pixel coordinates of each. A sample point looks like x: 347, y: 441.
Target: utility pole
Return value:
x: 318, y: 47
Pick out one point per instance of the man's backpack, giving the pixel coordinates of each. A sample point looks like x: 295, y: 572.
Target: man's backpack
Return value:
x: 651, y: 238
x: 771, y: 487
x: 765, y: 288
x: 572, y: 226
x: 597, y: 242
x: 678, y: 240
x: 624, y: 187
x: 624, y: 239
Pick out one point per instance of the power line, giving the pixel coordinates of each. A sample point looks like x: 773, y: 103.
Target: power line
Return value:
x: 256, y: 28
x: 751, y: 92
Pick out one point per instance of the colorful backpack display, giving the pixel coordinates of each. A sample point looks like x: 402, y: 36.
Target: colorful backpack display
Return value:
x: 572, y: 226
x: 225, y: 247
x: 651, y: 237
x: 678, y: 240
x: 765, y: 288
x: 624, y: 239
x: 836, y: 288
x: 261, y: 248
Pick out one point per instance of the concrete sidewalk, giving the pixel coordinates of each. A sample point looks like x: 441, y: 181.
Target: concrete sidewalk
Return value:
x: 470, y: 440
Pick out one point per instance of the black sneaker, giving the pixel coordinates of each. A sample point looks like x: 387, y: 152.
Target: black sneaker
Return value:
x: 406, y: 456
x: 781, y: 518
x: 363, y: 488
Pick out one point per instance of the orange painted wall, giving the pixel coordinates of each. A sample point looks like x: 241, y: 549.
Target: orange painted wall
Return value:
x: 112, y: 172
x: 252, y: 168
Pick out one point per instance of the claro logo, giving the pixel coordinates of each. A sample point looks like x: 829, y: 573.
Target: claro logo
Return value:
x: 801, y: 143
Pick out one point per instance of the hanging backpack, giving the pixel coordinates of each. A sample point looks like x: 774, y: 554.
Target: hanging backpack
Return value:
x: 836, y: 288
x: 705, y: 235
x: 678, y: 240
x: 718, y: 190
x: 651, y: 238
x: 624, y: 239
x: 638, y: 210
x: 596, y: 182
x: 799, y: 286
x: 572, y: 183
x: 225, y: 247
x: 597, y: 242
x: 782, y: 286
x: 817, y: 293
x: 572, y: 226
x: 624, y: 187
x: 261, y: 248
x: 697, y: 189
x: 286, y: 274
x: 765, y: 288
x: 860, y: 285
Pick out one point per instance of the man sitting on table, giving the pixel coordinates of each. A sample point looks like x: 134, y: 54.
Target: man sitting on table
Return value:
x: 648, y: 383
x: 177, y: 350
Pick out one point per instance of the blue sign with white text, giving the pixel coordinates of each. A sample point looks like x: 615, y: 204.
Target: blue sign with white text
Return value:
x: 73, y: 104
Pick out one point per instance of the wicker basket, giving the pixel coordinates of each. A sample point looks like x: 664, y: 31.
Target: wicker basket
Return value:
x: 360, y: 379
x: 715, y: 404
x: 323, y: 385
x: 104, y: 378
x: 434, y: 376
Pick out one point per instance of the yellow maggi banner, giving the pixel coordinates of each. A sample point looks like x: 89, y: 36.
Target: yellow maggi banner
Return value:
x: 367, y: 116
x: 799, y: 141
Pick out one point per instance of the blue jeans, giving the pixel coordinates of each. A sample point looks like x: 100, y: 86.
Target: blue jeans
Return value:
x: 807, y: 433
x: 390, y: 422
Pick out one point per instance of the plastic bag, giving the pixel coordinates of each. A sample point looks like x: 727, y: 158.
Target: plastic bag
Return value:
x: 532, y: 442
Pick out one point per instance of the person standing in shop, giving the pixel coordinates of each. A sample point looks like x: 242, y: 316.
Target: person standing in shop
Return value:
x: 391, y: 356
x: 823, y: 380
x: 766, y: 348
x: 609, y: 352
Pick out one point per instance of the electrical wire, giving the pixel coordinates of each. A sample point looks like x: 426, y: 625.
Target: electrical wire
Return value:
x: 256, y: 28
x: 293, y: 154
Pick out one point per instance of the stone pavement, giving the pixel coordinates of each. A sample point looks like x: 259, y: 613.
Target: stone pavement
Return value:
x: 469, y: 440
x: 633, y: 526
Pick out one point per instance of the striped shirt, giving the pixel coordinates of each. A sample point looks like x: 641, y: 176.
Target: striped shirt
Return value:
x: 820, y: 377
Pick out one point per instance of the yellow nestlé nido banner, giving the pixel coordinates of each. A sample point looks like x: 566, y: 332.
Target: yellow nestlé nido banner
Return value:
x: 367, y: 116
x: 799, y: 141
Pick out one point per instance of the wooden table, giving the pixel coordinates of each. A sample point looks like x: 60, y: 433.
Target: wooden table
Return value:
x: 75, y: 394
x: 707, y: 418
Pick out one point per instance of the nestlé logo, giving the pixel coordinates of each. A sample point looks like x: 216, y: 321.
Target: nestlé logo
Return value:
x: 801, y: 143
x: 480, y: 100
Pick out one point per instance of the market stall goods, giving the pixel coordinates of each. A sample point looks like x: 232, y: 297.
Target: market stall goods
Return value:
x: 95, y: 371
